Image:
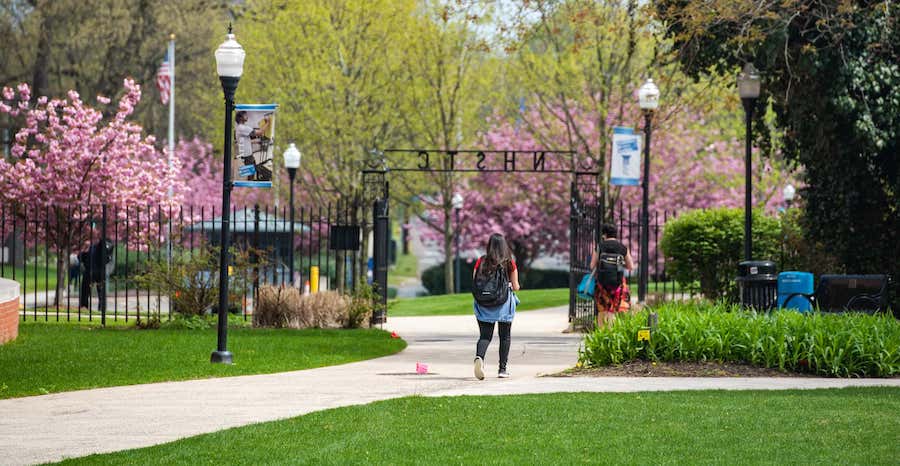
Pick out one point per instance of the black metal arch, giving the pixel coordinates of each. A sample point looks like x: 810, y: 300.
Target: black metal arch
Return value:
x: 584, y: 215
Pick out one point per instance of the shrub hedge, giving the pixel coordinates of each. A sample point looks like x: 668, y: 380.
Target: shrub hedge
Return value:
x: 706, y: 245
x: 835, y: 345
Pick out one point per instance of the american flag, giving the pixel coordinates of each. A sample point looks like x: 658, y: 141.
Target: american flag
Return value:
x: 164, y: 80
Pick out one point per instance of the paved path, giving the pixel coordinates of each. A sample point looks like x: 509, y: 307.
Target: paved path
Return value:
x: 52, y: 427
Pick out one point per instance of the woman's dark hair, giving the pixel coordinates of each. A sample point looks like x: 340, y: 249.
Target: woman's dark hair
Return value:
x: 240, y: 116
x: 496, y: 255
x: 608, y: 230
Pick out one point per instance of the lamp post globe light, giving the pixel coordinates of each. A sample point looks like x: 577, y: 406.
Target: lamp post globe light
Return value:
x: 457, y: 202
x: 788, y: 193
x: 748, y: 82
x: 229, y: 65
x: 292, y: 163
x: 648, y: 98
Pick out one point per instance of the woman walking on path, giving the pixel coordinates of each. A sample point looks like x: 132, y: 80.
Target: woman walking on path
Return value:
x: 495, y: 269
x: 608, y: 261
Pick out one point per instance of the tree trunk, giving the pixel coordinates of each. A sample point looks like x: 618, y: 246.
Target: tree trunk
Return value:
x: 62, y: 268
x: 448, y: 253
x: 40, y: 84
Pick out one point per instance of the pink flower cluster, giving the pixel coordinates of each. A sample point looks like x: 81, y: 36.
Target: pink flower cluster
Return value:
x: 67, y: 161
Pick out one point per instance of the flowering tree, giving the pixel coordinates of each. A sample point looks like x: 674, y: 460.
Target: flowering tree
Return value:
x: 67, y: 162
x: 693, y: 165
x: 201, y: 171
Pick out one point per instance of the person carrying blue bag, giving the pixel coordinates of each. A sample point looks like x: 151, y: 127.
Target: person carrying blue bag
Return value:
x: 609, y: 262
x: 494, y: 282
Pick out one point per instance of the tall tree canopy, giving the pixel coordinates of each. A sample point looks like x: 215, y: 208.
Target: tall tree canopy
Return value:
x: 91, y: 45
x: 830, y: 71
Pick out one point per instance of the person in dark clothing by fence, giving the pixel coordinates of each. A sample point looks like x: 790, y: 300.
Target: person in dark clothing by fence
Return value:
x: 93, y: 271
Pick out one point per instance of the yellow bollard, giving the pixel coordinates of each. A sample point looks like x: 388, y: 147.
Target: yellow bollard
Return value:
x: 314, y: 279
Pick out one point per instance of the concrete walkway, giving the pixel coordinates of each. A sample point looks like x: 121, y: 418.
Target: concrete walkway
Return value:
x: 52, y: 427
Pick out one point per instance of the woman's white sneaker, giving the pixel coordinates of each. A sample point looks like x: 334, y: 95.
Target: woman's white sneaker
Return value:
x: 503, y: 374
x: 479, y: 368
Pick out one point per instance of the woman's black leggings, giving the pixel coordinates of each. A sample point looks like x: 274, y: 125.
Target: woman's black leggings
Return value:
x: 487, y: 332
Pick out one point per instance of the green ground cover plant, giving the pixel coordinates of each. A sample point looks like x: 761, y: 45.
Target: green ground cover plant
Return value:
x: 57, y: 357
x: 461, y: 304
x: 834, y: 345
x: 847, y: 426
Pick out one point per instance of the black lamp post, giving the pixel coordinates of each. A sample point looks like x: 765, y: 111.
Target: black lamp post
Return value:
x: 292, y: 162
x: 648, y: 97
x: 748, y: 87
x: 457, y: 202
x: 230, y: 66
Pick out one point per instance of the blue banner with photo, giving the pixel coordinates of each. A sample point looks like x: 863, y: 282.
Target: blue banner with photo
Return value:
x: 625, y: 163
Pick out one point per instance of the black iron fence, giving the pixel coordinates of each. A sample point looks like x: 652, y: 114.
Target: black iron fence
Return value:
x: 86, y: 262
x: 626, y: 220
x: 628, y: 224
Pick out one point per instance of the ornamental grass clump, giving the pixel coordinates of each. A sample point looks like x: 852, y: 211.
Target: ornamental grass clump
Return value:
x: 835, y: 345
x: 284, y: 307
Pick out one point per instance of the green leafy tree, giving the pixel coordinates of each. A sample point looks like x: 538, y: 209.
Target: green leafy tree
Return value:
x: 830, y: 71
x: 92, y: 45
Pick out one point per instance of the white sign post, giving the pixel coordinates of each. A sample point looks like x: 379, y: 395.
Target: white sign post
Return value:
x: 626, y: 158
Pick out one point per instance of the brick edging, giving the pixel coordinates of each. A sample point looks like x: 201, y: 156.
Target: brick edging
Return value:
x: 9, y: 310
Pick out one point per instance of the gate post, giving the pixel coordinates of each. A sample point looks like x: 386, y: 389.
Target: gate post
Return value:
x: 573, y: 238
x: 380, y: 248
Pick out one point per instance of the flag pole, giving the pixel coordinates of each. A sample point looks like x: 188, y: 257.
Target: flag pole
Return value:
x: 171, y: 53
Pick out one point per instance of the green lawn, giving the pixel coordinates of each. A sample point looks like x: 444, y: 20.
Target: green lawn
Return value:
x: 836, y: 426
x: 46, y: 277
x: 461, y: 304
x: 48, y: 358
x: 406, y: 267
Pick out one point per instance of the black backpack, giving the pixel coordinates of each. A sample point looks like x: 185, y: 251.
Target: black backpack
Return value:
x: 491, y: 289
x: 608, y: 268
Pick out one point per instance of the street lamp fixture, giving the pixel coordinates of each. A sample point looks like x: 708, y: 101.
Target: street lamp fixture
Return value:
x: 230, y: 66
x: 748, y: 82
x: 788, y: 193
x: 292, y: 163
x: 457, y: 202
x: 648, y: 98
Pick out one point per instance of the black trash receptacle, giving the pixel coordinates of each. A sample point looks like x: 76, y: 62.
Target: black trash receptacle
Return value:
x: 757, y: 284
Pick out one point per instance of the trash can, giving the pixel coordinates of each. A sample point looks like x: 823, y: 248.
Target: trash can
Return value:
x: 757, y: 284
x: 795, y: 282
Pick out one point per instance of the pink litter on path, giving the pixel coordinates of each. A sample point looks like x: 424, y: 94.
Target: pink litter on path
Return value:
x: 421, y: 368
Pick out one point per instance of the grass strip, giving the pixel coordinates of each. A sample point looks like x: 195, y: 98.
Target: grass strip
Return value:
x: 834, y: 426
x: 461, y: 304
x: 49, y: 358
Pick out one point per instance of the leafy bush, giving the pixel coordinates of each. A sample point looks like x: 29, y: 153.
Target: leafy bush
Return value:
x: 706, y: 245
x: 534, y: 279
x: 284, y: 307
x: 364, y: 302
x: 842, y: 345
x: 191, y: 278
x: 433, y: 278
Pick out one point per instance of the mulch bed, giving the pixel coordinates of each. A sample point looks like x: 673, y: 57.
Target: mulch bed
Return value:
x: 677, y: 369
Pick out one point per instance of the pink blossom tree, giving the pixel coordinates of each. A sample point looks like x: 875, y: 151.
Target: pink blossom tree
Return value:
x: 693, y: 165
x: 201, y: 171
x: 68, y: 161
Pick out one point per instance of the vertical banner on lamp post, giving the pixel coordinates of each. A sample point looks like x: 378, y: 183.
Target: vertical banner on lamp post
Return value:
x: 254, y: 145
x: 625, y: 165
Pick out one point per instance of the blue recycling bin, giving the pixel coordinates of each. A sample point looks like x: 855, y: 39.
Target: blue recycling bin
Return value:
x: 795, y: 282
